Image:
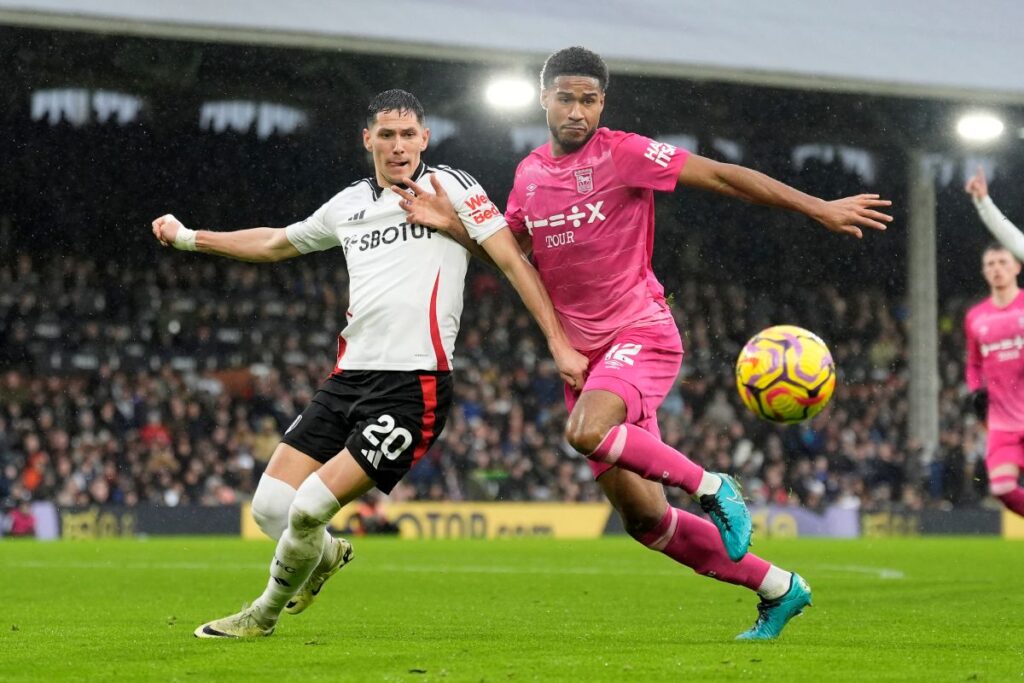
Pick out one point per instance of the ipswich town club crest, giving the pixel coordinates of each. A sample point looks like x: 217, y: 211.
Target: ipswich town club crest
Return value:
x: 585, y: 180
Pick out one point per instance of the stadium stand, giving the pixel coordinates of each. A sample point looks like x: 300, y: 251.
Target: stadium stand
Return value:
x: 168, y: 380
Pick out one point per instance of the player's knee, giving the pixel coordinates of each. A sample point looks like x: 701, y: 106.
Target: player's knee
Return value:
x: 585, y: 436
x: 270, y: 505
x: 271, y: 517
x: 313, y: 507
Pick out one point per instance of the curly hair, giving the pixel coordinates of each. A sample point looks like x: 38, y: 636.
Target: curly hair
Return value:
x: 574, y: 61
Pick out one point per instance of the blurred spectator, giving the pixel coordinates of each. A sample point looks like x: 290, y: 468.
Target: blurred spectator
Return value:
x: 370, y: 517
x: 19, y: 522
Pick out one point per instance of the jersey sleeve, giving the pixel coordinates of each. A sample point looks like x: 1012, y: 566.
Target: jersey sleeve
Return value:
x: 313, y: 234
x: 478, y: 213
x: 646, y: 163
x: 972, y: 368
x: 514, y: 209
x: 1008, y: 234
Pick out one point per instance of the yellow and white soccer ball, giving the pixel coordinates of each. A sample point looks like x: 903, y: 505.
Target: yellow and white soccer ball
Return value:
x: 785, y: 374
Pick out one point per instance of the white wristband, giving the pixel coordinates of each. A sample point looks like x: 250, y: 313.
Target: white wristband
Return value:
x: 185, y: 239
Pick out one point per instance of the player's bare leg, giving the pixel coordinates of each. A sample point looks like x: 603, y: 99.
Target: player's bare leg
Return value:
x: 287, y: 469
x: 301, y: 546
x: 695, y: 543
x: 597, y: 429
x: 1004, y: 484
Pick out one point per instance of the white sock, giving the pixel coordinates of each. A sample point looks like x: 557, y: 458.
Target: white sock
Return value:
x: 300, y: 548
x: 776, y: 583
x: 709, y: 484
x: 270, y: 504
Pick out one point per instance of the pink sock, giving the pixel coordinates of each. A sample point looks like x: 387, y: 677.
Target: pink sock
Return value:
x: 696, y: 543
x: 637, y: 450
x: 1014, y: 500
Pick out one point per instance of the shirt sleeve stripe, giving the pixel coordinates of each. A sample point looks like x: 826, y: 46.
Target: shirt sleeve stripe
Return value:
x: 455, y: 175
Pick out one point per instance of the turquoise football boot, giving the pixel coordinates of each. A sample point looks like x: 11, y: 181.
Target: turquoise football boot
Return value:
x: 773, y: 615
x: 729, y: 513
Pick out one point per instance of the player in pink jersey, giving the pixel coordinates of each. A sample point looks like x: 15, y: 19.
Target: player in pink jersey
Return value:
x: 583, y: 204
x: 995, y: 354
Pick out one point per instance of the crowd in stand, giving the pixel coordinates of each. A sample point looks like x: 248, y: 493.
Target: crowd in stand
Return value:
x: 171, y: 384
x: 131, y: 374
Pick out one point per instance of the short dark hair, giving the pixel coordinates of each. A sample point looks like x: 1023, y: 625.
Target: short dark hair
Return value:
x: 574, y: 61
x: 997, y: 246
x: 394, y: 100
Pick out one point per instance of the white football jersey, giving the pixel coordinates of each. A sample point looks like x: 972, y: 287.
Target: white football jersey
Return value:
x: 405, y: 281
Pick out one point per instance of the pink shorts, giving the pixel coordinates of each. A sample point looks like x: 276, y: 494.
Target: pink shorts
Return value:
x: 640, y: 367
x: 1004, y: 448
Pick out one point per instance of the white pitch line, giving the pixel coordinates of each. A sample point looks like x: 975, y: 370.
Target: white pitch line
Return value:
x: 398, y: 568
x: 878, y: 572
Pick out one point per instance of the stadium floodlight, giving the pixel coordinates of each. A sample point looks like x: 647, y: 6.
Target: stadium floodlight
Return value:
x: 510, y: 93
x: 979, y: 127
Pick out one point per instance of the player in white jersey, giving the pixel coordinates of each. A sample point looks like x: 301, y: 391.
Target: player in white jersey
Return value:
x: 999, y: 225
x: 388, y: 396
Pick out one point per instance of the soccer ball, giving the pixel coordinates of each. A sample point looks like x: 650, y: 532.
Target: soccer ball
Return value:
x: 785, y: 374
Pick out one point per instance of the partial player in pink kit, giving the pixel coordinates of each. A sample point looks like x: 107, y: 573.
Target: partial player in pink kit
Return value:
x: 995, y: 354
x: 583, y: 205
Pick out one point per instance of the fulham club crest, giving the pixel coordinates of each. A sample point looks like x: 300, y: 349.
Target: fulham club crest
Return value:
x: 585, y: 180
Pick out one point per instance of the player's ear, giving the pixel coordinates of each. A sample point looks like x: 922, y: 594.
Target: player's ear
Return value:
x: 426, y: 138
x: 366, y: 139
x: 544, y: 98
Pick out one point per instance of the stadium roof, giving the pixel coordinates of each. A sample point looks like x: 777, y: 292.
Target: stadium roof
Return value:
x: 930, y: 48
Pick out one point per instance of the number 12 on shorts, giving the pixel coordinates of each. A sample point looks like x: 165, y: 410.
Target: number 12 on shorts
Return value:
x: 621, y: 354
x: 388, y: 439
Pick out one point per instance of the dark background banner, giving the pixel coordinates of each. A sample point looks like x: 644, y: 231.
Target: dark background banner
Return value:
x: 108, y: 522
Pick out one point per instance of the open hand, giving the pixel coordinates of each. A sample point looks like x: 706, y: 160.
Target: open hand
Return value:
x: 423, y: 208
x: 848, y: 215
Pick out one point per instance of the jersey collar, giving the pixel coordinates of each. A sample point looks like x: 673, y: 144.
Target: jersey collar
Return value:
x: 420, y: 171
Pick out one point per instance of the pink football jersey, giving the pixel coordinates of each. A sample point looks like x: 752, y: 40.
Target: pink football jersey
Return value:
x: 995, y: 360
x: 590, y: 215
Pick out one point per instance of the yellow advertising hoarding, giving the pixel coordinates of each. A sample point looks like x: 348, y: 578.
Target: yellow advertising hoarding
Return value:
x: 478, y: 520
x: 1013, y: 525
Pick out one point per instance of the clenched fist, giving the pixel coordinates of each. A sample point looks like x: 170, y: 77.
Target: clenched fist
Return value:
x: 171, y: 233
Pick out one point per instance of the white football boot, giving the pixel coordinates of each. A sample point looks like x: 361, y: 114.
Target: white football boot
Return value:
x: 311, y: 589
x: 241, y: 625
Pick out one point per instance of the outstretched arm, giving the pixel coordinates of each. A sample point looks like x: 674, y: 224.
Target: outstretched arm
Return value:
x: 846, y: 216
x: 1008, y: 234
x: 257, y: 245
x: 506, y: 254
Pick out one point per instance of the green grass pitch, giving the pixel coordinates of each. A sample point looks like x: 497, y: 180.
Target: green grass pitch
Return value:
x: 513, y: 610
